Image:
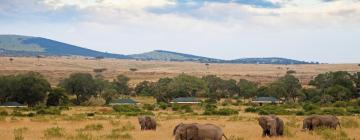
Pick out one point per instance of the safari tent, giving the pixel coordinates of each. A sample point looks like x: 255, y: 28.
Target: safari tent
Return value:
x: 12, y: 104
x: 266, y: 100
x: 185, y: 100
x: 123, y: 102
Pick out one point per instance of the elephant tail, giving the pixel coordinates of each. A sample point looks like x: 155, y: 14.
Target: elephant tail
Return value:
x: 225, y: 137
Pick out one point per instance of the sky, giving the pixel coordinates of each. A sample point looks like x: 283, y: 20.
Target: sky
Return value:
x: 327, y: 31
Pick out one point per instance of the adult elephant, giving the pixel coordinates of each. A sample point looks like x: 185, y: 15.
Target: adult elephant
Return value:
x: 197, y: 131
x: 147, y: 123
x: 314, y: 121
x: 271, y: 125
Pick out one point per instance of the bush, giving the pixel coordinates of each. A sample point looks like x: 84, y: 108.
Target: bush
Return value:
x: 335, y: 111
x: 340, y: 104
x: 126, y: 108
x: 94, y: 127
x: 186, y: 108
x: 54, y: 132
x: 310, y: 107
x: 49, y: 111
x: 4, y: 113
x: 130, y: 110
x: 251, y: 109
x: 353, y: 110
x: 163, y: 105
x: 175, y: 107
x: 223, y: 112
x: 149, y: 107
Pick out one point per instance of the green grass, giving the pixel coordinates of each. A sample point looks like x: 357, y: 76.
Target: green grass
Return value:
x: 54, y: 132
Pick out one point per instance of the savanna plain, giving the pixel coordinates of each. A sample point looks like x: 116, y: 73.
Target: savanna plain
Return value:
x: 98, y: 123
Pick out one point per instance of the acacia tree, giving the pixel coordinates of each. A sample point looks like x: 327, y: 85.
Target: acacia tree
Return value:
x: 145, y: 88
x: 31, y: 88
x: 82, y: 85
x: 292, y: 87
x: 248, y: 89
x: 56, y: 97
x: 187, y: 86
x: 121, y: 84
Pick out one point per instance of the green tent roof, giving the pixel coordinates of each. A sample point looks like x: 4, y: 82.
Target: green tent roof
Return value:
x: 186, y: 99
x: 124, y: 101
x: 267, y: 99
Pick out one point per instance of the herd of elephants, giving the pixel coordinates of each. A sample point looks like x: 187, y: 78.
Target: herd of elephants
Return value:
x: 271, y: 126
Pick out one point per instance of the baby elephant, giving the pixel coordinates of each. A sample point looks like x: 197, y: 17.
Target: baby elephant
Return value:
x: 197, y: 131
x: 147, y: 123
x: 315, y: 121
x: 271, y: 125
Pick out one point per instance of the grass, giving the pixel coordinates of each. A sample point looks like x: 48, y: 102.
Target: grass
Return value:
x: 93, y: 127
x: 18, y: 133
x: 54, y: 132
x: 240, y: 127
x: 330, y: 134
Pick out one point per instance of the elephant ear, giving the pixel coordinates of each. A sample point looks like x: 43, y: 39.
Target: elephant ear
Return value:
x: 176, y: 127
x: 191, y: 132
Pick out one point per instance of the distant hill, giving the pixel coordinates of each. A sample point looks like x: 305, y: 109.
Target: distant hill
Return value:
x: 269, y: 60
x: 172, y: 56
x: 15, y: 45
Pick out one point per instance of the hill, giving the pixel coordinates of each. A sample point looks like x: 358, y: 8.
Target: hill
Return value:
x: 15, y: 45
x: 173, y: 56
x: 269, y: 60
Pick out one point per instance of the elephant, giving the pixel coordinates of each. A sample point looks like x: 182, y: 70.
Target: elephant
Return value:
x: 197, y: 131
x: 147, y: 123
x: 271, y: 125
x: 314, y: 121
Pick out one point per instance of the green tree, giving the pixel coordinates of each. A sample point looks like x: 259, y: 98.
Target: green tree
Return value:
x: 311, y: 94
x: 145, y: 88
x: 82, y: 85
x: 248, y: 89
x: 187, y: 86
x: 7, y: 87
x: 162, y: 92
x: 329, y: 79
x: 57, y: 97
x: 121, y: 85
x: 292, y: 87
x: 31, y: 89
x: 338, y: 92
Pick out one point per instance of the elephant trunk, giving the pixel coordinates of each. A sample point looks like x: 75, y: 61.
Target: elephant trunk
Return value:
x: 273, y: 130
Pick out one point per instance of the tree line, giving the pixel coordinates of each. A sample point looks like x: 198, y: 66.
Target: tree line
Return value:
x: 84, y: 89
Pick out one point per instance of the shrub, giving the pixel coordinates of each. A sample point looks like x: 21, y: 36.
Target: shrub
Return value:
x: 335, y: 111
x: 163, y: 105
x: 186, y: 108
x: 93, y: 127
x: 54, y: 132
x: 340, y: 104
x: 130, y: 110
x: 4, y: 113
x: 310, y: 107
x: 251, y: 109
x: 353, y: 110
x: 223, y: 112
x: 126, y: 108
x: 149, y: 107
x: 175, y: 107
x: 49, y: 111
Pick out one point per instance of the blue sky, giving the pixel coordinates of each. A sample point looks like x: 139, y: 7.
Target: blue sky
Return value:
x: 313, y: 30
